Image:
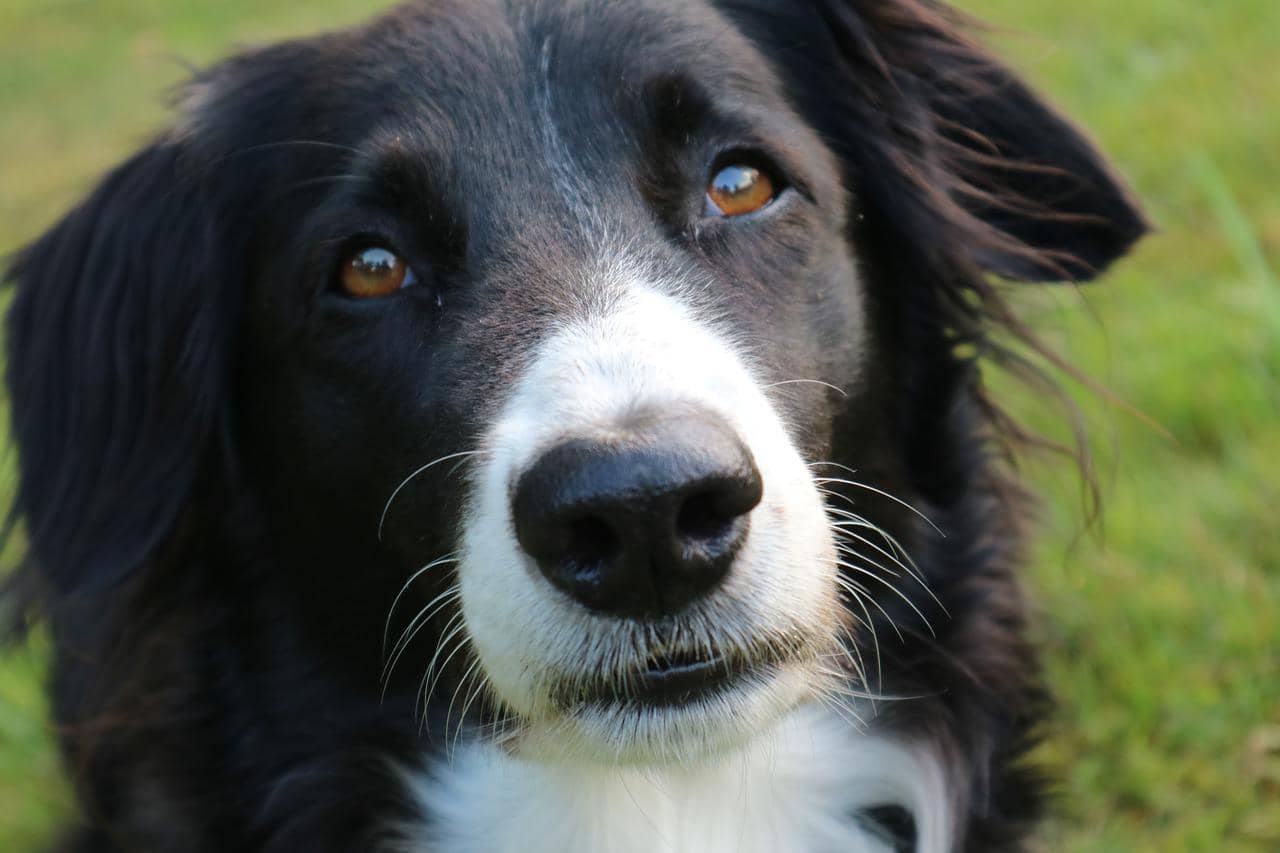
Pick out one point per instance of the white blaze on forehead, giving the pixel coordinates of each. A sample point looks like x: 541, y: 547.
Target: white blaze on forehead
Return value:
x: 637, y: 350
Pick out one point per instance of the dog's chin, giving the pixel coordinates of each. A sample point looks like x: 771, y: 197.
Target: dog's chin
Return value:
x: 679, y: 715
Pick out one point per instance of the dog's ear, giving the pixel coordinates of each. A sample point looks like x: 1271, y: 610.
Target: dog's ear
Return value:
x: 953, y: 143
x: 118, y: 353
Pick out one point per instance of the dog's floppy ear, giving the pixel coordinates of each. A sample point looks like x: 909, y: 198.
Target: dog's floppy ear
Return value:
x: 951, y: 141
x: 117, y: 366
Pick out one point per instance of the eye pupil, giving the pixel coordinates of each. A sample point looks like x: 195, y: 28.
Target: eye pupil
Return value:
x: 374, y: 272
x: 739, y: 189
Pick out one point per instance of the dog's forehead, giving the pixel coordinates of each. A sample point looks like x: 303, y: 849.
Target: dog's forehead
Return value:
x: 527, y: 117
x: 609, y: 38
x: 497, y: 69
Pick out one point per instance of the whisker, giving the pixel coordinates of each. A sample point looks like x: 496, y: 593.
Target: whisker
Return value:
x: 842, y: 687
x: 383, y: 520
x: 856, y: 647
x: 444, y: 665
x: 852, y: 519
x: 415, y: 626
x: 835, y: 388
x: 480, y: 682
x: 912, y: 570
x: 855, y: 520
x: 892, y: 589
x: 447, y: 634
x: 844, y: 690
x: 454, y: 698
x: 869, y: 623
x: 884, y: 697
x: 852, y: 472
x: 849, y: 551
x: 853, y: 653
x: 861, y: 593
x: 843, y: 710
x: 883, y: 494
x: 386, y: 629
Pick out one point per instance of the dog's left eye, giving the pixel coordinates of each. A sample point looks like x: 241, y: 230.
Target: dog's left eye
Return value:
x: 739, y: 189
x: 374, y: 272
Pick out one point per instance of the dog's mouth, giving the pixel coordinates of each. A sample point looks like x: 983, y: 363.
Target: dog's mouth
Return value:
x: 675, y: 678
x: 683, y: 677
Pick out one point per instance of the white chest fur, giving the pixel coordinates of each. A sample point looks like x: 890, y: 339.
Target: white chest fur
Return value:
x: 797, y: 789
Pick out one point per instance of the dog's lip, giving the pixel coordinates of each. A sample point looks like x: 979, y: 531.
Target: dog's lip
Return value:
x: 673, y: 681
x: 675, y: 675
x: 669, y: 679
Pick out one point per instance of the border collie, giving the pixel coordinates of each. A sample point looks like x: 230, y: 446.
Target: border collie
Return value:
x: 552, y: 426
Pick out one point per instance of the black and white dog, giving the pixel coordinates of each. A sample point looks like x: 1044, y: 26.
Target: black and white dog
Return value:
x: 552, y: 426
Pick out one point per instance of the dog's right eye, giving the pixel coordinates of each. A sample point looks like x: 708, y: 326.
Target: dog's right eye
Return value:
x: 374, y: 272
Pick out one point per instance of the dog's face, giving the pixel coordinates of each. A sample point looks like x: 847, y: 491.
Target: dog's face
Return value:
x: 566, y: 305
x: 592, y: 362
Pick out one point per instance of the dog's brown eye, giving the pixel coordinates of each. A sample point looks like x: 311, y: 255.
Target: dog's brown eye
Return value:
x: 374, y: 272
x: 738, y: 189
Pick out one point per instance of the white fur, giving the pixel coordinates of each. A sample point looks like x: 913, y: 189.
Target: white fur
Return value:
x: 796, y: 789
x: 635, y: 347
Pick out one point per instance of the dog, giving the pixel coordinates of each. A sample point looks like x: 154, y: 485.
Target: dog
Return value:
x: 552, y: 426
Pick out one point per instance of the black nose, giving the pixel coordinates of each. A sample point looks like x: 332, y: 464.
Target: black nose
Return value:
x: 643, y: 522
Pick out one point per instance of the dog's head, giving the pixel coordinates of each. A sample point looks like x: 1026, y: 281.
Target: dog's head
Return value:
x: 636, y: 324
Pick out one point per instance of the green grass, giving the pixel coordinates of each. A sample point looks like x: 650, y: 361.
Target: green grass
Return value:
x: 1163, y: 631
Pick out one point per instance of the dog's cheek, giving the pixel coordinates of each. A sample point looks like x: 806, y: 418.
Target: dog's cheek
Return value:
x: 343, y: 409
x: 805, y: 321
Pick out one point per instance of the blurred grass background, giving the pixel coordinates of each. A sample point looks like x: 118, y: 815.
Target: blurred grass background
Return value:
x: 1163, y: 629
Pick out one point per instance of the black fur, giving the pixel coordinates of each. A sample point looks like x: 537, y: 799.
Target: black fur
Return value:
x: 208, y: 433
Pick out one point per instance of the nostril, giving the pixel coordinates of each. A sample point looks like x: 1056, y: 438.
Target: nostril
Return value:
x: 592, y: 543
x: 715, y: 512
x: 703, y: 517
